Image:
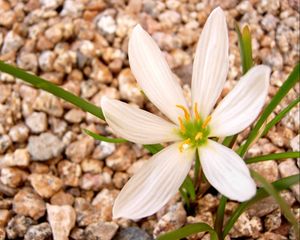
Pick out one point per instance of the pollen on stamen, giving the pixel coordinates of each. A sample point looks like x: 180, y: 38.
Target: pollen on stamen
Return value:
x: 184, y: 145
x: 207, y: 120
x: 186, y: 112
x: 197, y: 116
x: 182, y: 127
x: 198, y: 136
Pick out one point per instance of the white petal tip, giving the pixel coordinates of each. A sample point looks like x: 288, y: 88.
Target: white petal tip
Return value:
x: 248, y: 193
x: 104, y: 100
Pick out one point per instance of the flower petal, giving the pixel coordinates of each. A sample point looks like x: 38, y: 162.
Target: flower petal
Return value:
x: 153, y: 74
x: 211, y: 63
x: 243, y: 104
x: 226, y: 171
x: 155, y: 183
x: 137, y: 125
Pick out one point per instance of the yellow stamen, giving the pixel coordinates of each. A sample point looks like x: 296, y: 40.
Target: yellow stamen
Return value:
x: 184, y: 144
x: 207, y: 120
x: 198, y: 136
x: 197, y: 116
x: 182, y: 127
x: 186, y: 112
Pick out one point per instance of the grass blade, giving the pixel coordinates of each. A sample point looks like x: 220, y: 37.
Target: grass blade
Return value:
x: 52, y: 88
x: 153, y: 148
x: 189, y: 230
x: 273, y: 156
x: 104, y: 139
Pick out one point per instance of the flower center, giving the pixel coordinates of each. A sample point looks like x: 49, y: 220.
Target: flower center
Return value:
x: 194, y: 131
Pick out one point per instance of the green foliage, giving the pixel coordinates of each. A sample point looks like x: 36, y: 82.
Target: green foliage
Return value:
x: 104, y: 139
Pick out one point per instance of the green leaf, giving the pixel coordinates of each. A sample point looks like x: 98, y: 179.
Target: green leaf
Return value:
x: 188, y: 186
x: 261, y: 193
x: 52, y: 88
x: 284, y: 89
x: 279, y: 116
x: 189, y: 230
x: 281, y: 202
x: 196, y: 169
x: 273, y: 156
x: 104, y: 139
x: 245, y: 45
x: 153, y: 148
x: 218, y: 225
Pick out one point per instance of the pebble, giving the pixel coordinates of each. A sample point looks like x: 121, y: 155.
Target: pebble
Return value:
x: 18, y: 226
x: 19, y: 133
x: 37, y: 122
x: 100, y: 73
x: 106, y: 24
x: 62, y: 198
x: 41, y: 231
x: 12, y: 42
x: 91, y: 165
x: 62, y: 219
x: 172, y: 220
x: 5, y: 143
x: 52, y: 146
x: 69, y: 173
x: 46, y: 185
x: 20, y: 158
x: 103, y: 150
x: 79, y: 150
x: 129, y: 89
x: 13, y: 177
x: 5, y: 216
x: 120, y: 179
x: 267, y: 169
x: 27, y: 61
x: 273, y: 220
x: 203, y: 217
x: 101, y: 230
x: 131, y: 233
x: 48, y: 103
x: 121, y: 159
x: 72, y: 8
x: 288, y: 168
x: 26, y: 202
x: 74, y: 116
x: 46, y: 60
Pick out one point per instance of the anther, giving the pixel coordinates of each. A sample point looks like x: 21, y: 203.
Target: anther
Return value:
x: 182, y: 127
x: 197, y: 116
x: 207, y: 120
x: 186, y: 112
x: 184, y: 144
x: 198, y: 136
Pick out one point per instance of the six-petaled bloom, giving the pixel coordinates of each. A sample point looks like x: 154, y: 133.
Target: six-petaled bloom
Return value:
x: 192, y: 129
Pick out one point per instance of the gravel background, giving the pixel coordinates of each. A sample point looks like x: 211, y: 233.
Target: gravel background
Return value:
x: 57, y: 182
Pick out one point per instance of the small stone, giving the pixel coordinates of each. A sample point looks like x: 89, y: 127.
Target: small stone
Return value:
x: 100, y: 73
x: 28, y: 203
x: 72, y: 8
x: 91, y: 182
x: 131, y: 233
x: 86, y: 213
x: 88, y: 88
x: 51, y: 4
x: 246, y: 227
x: 288, y: 168
x: 17, y: 226
x: 101, y: 230
x: 120, y: 179
x: 13, y: 177
x: 207, y: 203
x: 103, y: 150
x: 48, y: 103
x: 271, y: 236
x: 46, y: 60
x: 203, y: 217
x: 41, y: 231
x: 58, y: 126
x: 62, y: 219
x: 45, y: 185
x: 27, y: 61
x: 106, y: 24
x: 80, y: 149
x: 61, y: 198
x: 121, y: 159
x: 129, y: 89
x: 295, y: 143
x: 267, y: 169
x: 7, y: 18
x: 91, y: 166
x: 37, y: 122
x: 173, y: 219
x: 2, y: 233
x: 77, y: 234
x: 20, y: 158
x: 5, y: 143
x: 19, y: 133
x: 74, y: 116
x: 69, y: 173
x: 45, y: 146
x: 5, y: 215
x: 12, y: 42
x: 273, y: 220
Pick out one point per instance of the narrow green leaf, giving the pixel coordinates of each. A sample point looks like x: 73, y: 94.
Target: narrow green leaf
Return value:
x: 273, y: 156
x: 189, y: 230
x: 230, y: 140
x: 284, y: 89
x: 185, y: 198
x: 153, y: 148
x: 281, y: 202
x: 220, y: 216
x: 104, y: 139
x: 188, y: 186
x: 245, y: 46
x: 261, y: 193
x: 52, y: 88
x: 196, y: 169
x: 279, y: 116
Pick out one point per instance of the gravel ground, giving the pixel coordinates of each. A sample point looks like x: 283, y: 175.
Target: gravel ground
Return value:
x: 55, y: 181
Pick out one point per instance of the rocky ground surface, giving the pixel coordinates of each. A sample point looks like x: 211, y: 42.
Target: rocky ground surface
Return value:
x: 57, y: 182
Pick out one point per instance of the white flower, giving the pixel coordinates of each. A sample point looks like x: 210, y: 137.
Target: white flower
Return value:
x: 191, y: 130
